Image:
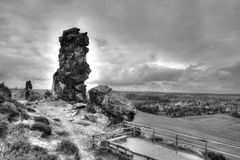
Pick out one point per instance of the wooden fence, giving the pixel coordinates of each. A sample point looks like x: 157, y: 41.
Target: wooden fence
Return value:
x: 101, y: 142
x: 185, y: 139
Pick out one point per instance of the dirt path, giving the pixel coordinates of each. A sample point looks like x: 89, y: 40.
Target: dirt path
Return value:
x: 79, y: 134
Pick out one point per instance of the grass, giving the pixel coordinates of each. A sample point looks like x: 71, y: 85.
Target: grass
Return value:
x: 42, y: 127
x: 219, y: 127
x: 69, y: 148
x: 62, y: 133
x: 15, y: 145
x: 56, y: 119
x: 29, y: 109
x: 13, y: 111
x: 34, y: 96
x: 3, y: 129
x: 21, y: 150
x: 216, y: 156
x: 41, y: 119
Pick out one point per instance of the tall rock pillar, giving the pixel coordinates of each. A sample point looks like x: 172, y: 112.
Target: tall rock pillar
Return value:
x: 68, y: 81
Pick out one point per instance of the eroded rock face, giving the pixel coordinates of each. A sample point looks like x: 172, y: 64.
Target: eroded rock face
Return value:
x: 5, y: 93
x: 68, y: 81
x: 28, y: 89
x: 112, y: 104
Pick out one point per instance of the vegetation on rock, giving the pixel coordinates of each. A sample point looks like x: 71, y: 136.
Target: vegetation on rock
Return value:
x: 42, y: 127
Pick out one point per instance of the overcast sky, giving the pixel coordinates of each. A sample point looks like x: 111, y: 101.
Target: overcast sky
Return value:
x: 153, y: 45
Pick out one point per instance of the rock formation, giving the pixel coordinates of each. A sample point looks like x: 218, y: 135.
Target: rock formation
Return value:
x: 10, y: 109
x: 111, y: 104
x: 28, y: 89
x: 68, y: 81
x: 5, y: 93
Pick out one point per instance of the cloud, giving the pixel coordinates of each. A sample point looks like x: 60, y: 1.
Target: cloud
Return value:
x: 153, y: 45
x: 130, y: 75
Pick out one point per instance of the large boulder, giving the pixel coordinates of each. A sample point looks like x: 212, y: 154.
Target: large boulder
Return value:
x: 112, y: 104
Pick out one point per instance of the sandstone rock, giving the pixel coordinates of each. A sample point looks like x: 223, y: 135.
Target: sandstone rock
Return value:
x: 5, y: 93
x: 79, y: 105
x: 91, y: 117
x: 28, y: 89
x: 112, y: 104
x: 97, y: 118
x: 68, y: 81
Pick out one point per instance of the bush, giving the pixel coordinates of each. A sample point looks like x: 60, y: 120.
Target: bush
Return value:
x: 5, y: 93
x: 62, y: 133
x: 34, y: 96
x: 21, y: 150
x: 29, y: 109
x: 42, y: 127
x: 3, y: 129
x: 13, y: 111
x: 67, y: 147
x: 216, y: 156
x: 18, y: 129
x: 148, y: 107
x: 157, y: 139
x: 237, y: 115
x: 41, y: 119
x: 56, y: 119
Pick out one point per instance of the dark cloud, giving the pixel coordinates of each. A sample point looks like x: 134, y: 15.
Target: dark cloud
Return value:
x: 161, y: 45
x: 140, y: 74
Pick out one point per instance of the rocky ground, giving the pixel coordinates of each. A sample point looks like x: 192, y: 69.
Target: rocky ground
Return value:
x: 36, y: 130
x: 65, y: 119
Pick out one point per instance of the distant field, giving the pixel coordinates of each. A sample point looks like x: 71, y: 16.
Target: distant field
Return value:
x: 124, y: 93
x: 219, y: 127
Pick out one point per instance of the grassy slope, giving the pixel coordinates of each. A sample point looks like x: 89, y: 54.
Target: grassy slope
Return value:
x: 219, y: 127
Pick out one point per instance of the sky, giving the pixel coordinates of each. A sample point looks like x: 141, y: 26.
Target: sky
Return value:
x: 139, y: 45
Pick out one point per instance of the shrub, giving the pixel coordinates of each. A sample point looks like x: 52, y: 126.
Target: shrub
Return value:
x: 148, y: 107
x: 216, y: 156
x: 29, y: 109
x: 62, y: 133
x: 157, y: 139
x: 67, y: 147
x: 18, y: 129
x: 3, y: 129
x: 34, y: 96
x: 56, y: 119
x: 42, y: 127
x: 5, y: 93
x: 41, y: 119
x: 21, y: 150
x: 13, y: 111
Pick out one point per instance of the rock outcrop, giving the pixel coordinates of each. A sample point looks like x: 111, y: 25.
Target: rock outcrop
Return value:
x: 5, y: 93
x: 10, y: 109
x: 112, y: 104
x: 28, y: 89
x: 68, y: 81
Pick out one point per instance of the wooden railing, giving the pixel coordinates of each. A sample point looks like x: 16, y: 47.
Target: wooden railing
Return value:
x: 116, y: 148
x: 185, y: 139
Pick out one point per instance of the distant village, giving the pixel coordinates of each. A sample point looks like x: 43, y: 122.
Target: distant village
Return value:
x: 181, y: 105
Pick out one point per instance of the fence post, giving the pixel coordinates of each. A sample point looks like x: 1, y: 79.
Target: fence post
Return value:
x: 93, y: 139
x: 176, y: 142
x: 206, y: 150
x: 134, y: 131
x: 153, y: 136
x: 118, y: 152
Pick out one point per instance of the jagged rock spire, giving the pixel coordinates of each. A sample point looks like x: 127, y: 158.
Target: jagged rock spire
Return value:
x: 68, y: 81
